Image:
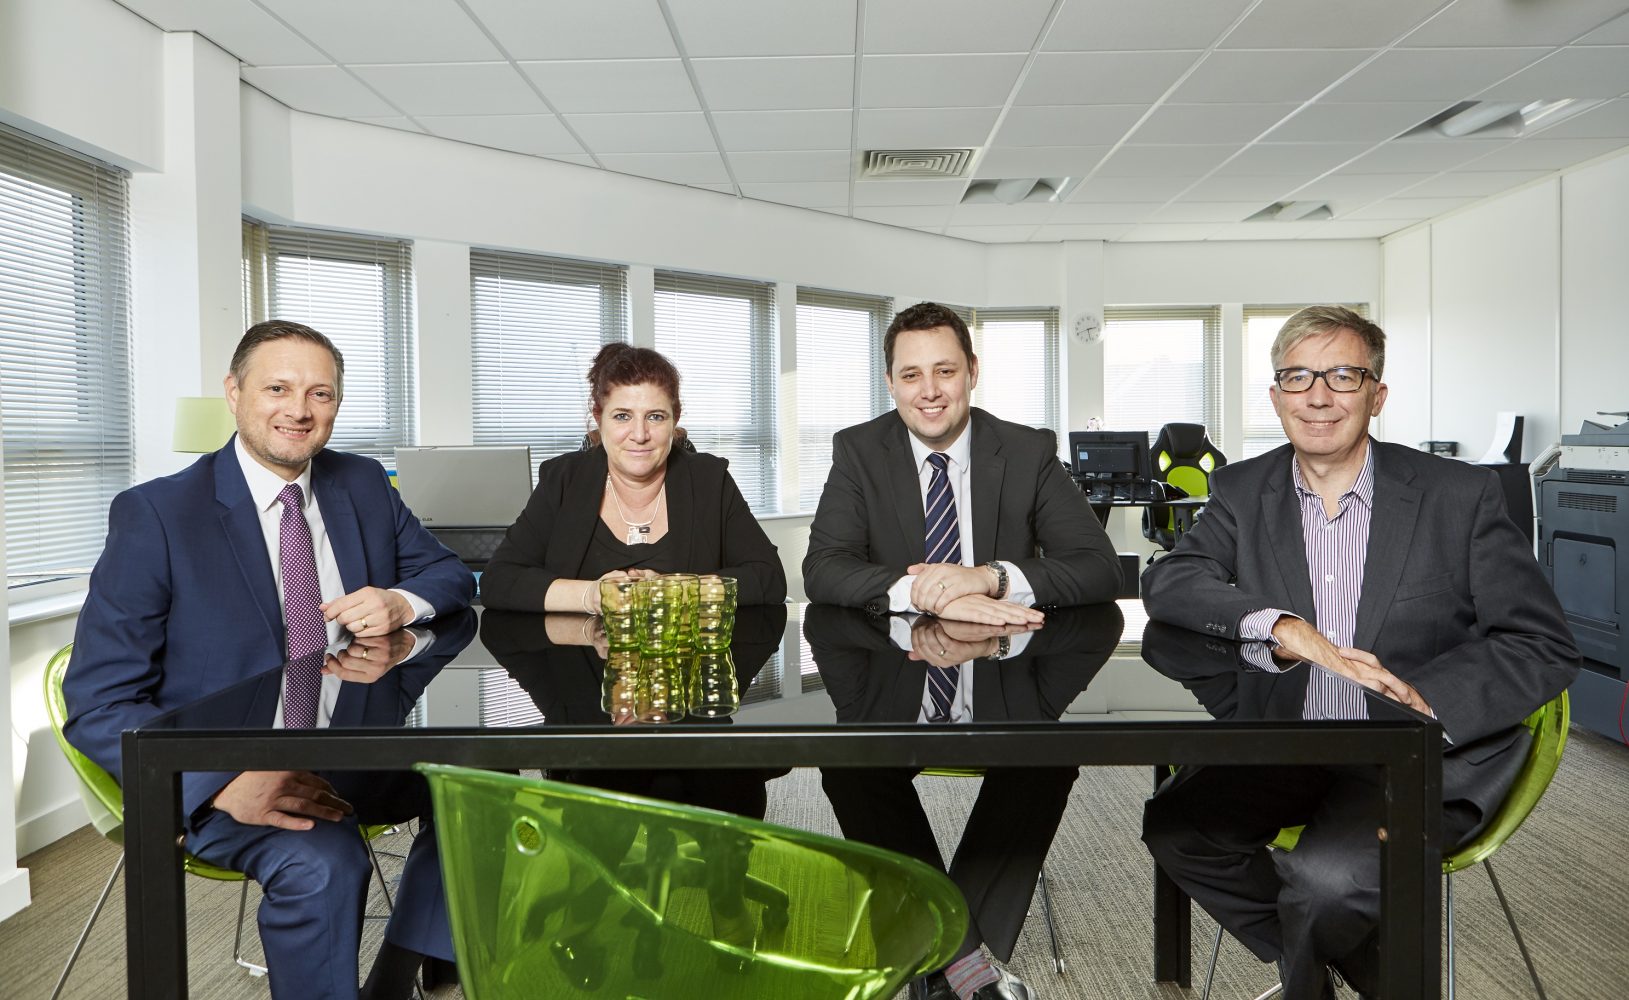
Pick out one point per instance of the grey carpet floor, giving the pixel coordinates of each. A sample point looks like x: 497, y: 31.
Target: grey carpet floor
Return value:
x: 1564, y: 872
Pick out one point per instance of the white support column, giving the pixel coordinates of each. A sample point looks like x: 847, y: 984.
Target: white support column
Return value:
x: 786, y: 396
x: 1230, y: 436
x: 13, y: 880
x: 445, y: 384
x: 642, y: 305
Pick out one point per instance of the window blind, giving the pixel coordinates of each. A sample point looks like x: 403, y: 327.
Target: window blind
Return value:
x: 65, y: 395
x: 840, y: 376
x: 502, y: 703
x: 536, y: 324
x: 1162, y: 364
x: 1262, y: 430
x: 1018, y: 365
x: 720, y: 332
x: 358, y: 291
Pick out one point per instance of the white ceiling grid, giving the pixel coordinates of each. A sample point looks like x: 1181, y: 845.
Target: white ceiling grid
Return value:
x: 1171, y: 119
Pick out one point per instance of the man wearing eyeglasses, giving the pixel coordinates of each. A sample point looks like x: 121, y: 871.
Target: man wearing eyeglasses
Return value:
x: 1398, y: 569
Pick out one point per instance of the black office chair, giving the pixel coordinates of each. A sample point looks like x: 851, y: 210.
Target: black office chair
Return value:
x: 1183, y: 460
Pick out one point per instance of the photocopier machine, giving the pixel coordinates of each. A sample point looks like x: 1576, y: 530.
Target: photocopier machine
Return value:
x: 1581, y: 539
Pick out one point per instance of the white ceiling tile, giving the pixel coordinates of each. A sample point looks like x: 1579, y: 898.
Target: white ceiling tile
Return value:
x: 1039, y: 161
x: 1175, y: 232
x: 1235, y: 123
x: 818, y: 165
x: 1165, y: 161
x: 938, y: 81
x: 1082, y: 125
x: 391, y: 121
x: 1082, y: 231
x: 1097, y: 25
x: 604, y: 29
x: 1104, y: 213
x: 755, y: 28
x: 728, y: 189
x: 1289, y: 159
x: 1424, y: 155
x: 321, y: 90
x: 1309, y: 24
x: 1365, y: 122
x: 1473, y: 183
x: 1353, y: 190
x: 614, y: 85
x: 1613, y: 32
x: 1130, y: 189
x: 776, y: 84
x: 1060, y: 78
x: 1576, y: 72
x: 912, y: 216
x: 744, y: 130
x: 1504, y: 22
x: 817, y: 194
x: 1347, y: 229
x: 454, y: 88
x: 1444, y: 75
x: 925, y: 128
x: 387, y: 31
x: 541, y: 135
x: 1407, y: 208
x: 992, y: 234
x: 1605, y: 121
x: 1547, y: 154
x: 675, y: 132
x: 241, y: 28
x: 1265, y: 75
x: 997, y: 214
x: 1262, y: 189
x: 1207, y: 211
x: 901, y: 192
x: 580, y: 159
x: 679, y: 168
x: 953, y: 25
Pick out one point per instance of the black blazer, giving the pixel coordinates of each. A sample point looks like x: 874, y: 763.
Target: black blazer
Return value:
x: 707, y: 517
x: 870, y: 524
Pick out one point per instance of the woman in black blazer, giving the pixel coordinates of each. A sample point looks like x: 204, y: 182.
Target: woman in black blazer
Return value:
x: 632, y: 505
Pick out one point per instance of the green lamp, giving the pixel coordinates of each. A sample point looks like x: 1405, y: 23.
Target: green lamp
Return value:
x: 202, y: 424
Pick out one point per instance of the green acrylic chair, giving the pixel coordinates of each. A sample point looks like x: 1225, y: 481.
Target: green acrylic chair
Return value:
x: 104, y: 802
x: 1549, y: 728
x: 550, y: 891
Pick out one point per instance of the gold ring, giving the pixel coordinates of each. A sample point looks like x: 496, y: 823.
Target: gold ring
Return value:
x: 943, y: 651
x: 361, y: 623
x: 364, y: 652
x: 941, y: 586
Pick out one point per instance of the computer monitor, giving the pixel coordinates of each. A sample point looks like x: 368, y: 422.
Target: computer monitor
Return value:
x: 1115, y: 456
x: 465, y: 487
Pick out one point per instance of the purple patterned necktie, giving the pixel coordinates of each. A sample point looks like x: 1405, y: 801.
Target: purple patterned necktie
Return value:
x: 302, y: 612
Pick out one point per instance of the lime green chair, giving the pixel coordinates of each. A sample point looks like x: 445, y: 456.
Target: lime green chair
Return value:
x: 541, y: 905
x: 1549, y: 728
x: 1184, y: 457
x: 104, y: 802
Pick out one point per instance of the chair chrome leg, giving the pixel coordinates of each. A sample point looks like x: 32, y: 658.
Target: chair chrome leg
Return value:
x: 1215, y: 953
x: 96, y: 911
x: 1510, y: 917
x: 1448, y: 911
x: 1275, y: 991
x: 1051, y: 929
x: 237, y: 939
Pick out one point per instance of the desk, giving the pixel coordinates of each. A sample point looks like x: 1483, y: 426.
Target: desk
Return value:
x: 790, y: 726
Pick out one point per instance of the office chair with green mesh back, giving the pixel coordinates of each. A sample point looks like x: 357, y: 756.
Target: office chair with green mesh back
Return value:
x: 104, y: 802
x: 540, y: 905
x: 1184, y: 457
x: 1549, y: 728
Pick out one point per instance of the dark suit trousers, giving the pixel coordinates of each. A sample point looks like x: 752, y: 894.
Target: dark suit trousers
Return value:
x: 1002, y: 848
x: 1209, y: 827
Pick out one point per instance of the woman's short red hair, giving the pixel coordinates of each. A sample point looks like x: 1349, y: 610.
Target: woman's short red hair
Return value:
x: 624, y: 364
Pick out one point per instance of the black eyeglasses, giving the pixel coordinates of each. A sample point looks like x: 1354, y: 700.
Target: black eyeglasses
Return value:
x: 1346, y: 378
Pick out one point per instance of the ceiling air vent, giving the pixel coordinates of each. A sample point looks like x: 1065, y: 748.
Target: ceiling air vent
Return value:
x: 915, y: 163
x: 1015, y: 191
x: 1498, y: 119
x: 1293, y: 211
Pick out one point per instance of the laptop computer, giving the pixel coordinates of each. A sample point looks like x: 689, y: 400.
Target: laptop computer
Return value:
x: 465, y: 487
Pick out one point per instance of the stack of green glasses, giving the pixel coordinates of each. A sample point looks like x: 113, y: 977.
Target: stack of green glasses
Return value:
x: 669, y: 639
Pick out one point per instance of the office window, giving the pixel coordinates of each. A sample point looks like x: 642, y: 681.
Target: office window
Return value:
x: 1018, y: 365
x: 1262, y: 430
x: 64, y: 355
x: 839, y: 376
x: 536, y: 324
x: 720, y: 332
x: 1162, y: 365
x: 359, y: 292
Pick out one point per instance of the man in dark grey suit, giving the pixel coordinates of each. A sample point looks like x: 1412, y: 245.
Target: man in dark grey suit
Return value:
x: 1398, y: 569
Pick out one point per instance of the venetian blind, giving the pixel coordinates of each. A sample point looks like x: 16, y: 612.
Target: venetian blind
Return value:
x: 65, y: 394
x: 720, y: 332
x: 840, y: 376
x: 1162, y: 364
x: 358, y: 291
x: 1018, y: 365
x: 536, y: 324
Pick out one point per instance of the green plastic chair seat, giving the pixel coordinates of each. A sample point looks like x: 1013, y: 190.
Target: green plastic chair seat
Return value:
x: 561, y: 890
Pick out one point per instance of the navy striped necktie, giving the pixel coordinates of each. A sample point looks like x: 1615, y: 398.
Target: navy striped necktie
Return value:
x: 944, y: 545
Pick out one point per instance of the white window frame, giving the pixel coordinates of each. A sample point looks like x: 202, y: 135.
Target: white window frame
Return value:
x: 833, y: 376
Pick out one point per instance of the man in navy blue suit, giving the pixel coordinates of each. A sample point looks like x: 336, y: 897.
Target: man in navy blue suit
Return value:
x: 269, y: 549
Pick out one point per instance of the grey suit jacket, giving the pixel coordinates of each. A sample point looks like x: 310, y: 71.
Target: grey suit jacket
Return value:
x: 1453, y: 601
x: 870, y: 524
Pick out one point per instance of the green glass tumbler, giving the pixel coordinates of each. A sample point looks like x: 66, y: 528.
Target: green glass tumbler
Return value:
x: 713, y: 691
x: 660, y: 693
x: 715, y: 612
x: 619, y: 686
x: 661, y: 614
x: 619, y: 605
x: 687, y: 629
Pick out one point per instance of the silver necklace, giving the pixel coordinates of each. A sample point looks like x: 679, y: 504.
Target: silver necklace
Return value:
x: 637, y: 530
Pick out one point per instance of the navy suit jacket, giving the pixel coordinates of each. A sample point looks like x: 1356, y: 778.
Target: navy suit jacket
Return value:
x: 183, y: 602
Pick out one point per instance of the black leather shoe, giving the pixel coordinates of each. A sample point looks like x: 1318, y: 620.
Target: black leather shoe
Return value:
x: 932, y: 986
x: 1007, y: 987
